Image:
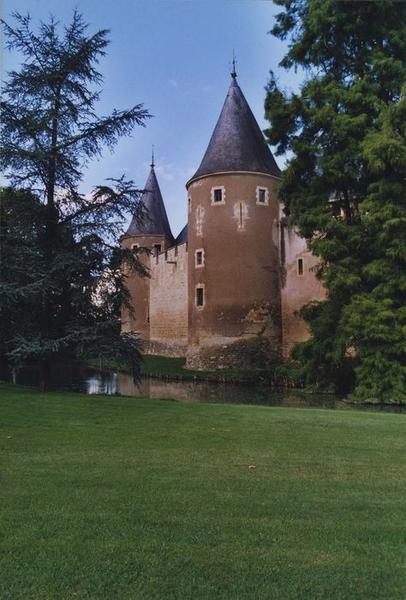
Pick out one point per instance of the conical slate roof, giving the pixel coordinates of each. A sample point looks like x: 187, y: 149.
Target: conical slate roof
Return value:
x: 237, y: 143
x: 182, y: 237
x: 155, y: 221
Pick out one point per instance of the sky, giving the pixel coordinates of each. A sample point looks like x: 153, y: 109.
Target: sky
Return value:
x: 174, y: 56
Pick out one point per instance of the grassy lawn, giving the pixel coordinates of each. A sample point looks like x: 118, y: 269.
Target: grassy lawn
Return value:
x: 121, y: 498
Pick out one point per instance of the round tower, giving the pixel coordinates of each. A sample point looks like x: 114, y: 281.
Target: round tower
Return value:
x: 148, y: 236
x: 233, y: 258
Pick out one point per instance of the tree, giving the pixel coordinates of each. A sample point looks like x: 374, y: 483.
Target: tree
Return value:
x: 21, y: 224
x: 49, y: 134
x: 344, y: 185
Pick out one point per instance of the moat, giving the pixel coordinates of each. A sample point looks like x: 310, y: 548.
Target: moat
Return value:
x: 89, y: 380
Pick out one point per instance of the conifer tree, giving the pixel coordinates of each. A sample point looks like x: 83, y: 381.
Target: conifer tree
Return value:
x: 21, y: 224
x: 50, y: 132
x: 344, y: 184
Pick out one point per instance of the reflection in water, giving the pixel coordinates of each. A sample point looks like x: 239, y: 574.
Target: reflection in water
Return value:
x: 80, y: 378
x: 121, y: 383
x: 102, y: 383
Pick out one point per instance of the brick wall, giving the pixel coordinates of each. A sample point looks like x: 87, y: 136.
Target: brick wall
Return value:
x: 168, y: 301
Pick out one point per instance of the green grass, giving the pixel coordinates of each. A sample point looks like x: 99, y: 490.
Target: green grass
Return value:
x: 120, y: 498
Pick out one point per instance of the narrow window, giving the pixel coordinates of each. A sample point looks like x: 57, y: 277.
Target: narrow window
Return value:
x: 199, y: 296
x: 240, y: 217
x: 218, y: 195
x: 261, y: 196
x: 300, y: 266
x: 189, y: 203
x: 199, y: 220
x: 157, y: 249
x: 199, y: 258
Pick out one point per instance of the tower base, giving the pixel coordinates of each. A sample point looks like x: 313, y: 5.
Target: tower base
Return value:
x: 247, y: 354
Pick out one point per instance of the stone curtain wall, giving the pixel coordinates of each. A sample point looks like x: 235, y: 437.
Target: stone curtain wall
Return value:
x: 296, y: 290
x: 168, y: 302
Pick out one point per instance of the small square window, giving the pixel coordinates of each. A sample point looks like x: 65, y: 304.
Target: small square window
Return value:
x: 199, y: 296
x: 218, y: 195
x: 300, y: 266
x: 199, y: 257
x: 262, y: 195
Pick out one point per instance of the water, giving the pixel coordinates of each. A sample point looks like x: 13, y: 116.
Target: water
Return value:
x: 202, y: 391
x: 80, y: 378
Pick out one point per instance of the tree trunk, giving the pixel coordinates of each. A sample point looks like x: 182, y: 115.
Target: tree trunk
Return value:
x: 51, y: 243
x: 44, y: 375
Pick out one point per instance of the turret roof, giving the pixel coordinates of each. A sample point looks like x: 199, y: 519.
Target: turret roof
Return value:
x: 182, y: 237
x: 155, y: 220
x: 237, y: 143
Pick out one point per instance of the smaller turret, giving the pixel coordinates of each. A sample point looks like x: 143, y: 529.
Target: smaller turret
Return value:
x: 150, y: 234
x: 155, y: 220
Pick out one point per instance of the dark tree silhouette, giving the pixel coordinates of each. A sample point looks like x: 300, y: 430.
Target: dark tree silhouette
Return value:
x: 50, y: 131
x: 344, y: 185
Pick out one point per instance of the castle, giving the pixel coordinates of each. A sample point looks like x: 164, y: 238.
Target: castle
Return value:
x: 237, y: 273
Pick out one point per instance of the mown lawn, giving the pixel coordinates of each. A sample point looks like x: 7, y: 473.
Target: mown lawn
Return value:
x: 118, y: 498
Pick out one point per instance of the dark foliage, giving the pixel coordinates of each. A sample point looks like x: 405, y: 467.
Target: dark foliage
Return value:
x: 68, y: 276
x: 344, y: 184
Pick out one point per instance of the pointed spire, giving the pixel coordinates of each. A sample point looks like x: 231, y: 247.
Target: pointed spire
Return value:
x: 233, y: 70
x: 237, y: 143
x: 152, y: 165
x: 155, y: 220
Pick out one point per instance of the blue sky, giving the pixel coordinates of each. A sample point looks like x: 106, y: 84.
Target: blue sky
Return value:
x: 173, y: 56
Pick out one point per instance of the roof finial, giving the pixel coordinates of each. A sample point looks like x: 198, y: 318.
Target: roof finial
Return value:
x: 153, y: 158
x: 234, y: 72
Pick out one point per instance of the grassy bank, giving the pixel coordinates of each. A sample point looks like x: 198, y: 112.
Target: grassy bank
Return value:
x: 122, y: 498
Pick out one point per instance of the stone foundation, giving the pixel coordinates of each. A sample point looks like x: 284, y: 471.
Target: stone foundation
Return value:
x: 251, y: 353
x: 171, y: 349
